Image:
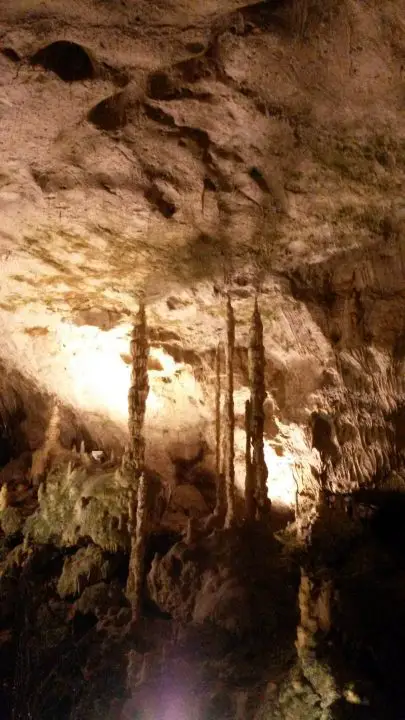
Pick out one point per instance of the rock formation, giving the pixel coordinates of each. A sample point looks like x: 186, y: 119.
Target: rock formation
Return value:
x: 203, y: 155
x: 134, y: 461
x: 257, y: 361
x: 229, y: 420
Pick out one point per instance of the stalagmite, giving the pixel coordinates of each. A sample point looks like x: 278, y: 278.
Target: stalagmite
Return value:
x: 229, y: 418
x: 315, y: 607
x: 249, y: 486
x: 258, y: 395
x: 134, y: 460
x: 220, y: 495
x: 41, y: 457
x: 4, y: 497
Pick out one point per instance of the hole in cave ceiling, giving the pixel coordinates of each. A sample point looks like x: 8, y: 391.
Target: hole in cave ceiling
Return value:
x: 109, y: 114
x: 195, y: 47
x: 160, y: 86
x: 157, y: 198
x: 70, y: 61
x: 11, y: 54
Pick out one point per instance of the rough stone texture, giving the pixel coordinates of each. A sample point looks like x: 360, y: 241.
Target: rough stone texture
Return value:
x: 229, y: 580
x: 199, y: 148
x: 101, y: 599
x: 14, y: 559
x: 73, y: 505
x: 90, y: 501
x: 186, y: 502
x: 188, y: 150
x: 173, y: 583
x: 224, y: 602
x: 11, y: 520
x: 86, y: 567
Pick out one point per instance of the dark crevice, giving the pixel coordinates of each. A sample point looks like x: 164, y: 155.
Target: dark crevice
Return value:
x: 6, y: 450
x: 257, y: 176
x: 119, y: 77
x: 323, y: 436
x: 109, y: 114
x: 306, y: 291
x: 399, y: 347
x: 70, y: 61
x: 158, y: 115
x: 83, y: 623
x: 266, y: 16
x: 157, y: 198
x: 11, y: 54
x: 159, y: 544
x: 197, y: 68
x: 209, y: 185
x: 13, y: 442
x: 161, y: 87
x: 200, y: 137
x: 196, y: 48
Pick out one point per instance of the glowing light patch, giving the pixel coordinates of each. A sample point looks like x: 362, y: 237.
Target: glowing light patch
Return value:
x: 97, y: 377
x: 281, y: 485
x: 167, y: 362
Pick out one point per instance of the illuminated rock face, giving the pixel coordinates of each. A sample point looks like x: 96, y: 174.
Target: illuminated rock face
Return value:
x: 245, y: 148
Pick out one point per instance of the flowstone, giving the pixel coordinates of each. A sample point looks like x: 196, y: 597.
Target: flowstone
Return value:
x: 88, y: 566
x: 75, y: 504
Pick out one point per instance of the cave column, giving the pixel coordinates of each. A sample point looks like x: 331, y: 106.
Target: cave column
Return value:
x: 250, y: 503
x: 229, y: 417
x: 220, y: 489
x: 257, y: 398
x: 134, y: 462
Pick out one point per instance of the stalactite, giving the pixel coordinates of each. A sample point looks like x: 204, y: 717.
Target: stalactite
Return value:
x: 258, y: 395
x: 220, y: 494
x: 249, y: 485
x: 218, y: 409
x: 134, y: 461
x: 229, y: 417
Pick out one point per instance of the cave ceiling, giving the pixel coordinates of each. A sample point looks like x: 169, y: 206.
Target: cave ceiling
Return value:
x: 183, y: 150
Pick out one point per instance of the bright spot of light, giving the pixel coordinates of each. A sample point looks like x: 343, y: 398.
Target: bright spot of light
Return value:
x: 281, y: 485
x: 153, y: 402
x: 166, y: 361
x: 97, y: 377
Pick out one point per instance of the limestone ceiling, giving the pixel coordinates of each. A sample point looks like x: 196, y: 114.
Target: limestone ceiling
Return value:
x: 184, y: 148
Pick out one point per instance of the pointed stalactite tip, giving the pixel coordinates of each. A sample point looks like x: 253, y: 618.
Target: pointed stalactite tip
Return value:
x: 141, y: 310
x: 230, y: 315
x: 256, y: 325
x: 256, y: 309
